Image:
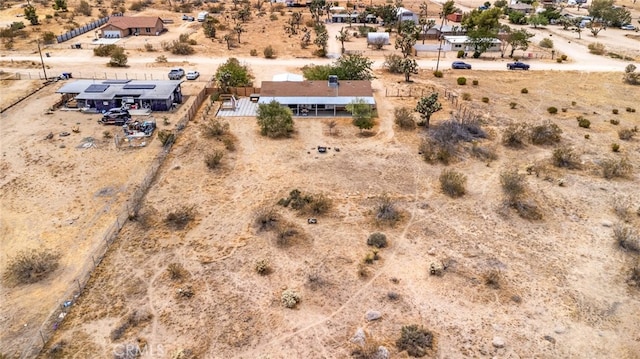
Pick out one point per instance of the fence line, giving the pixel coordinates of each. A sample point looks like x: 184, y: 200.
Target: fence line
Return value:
x: 81, y: 30
x: 130, y: 208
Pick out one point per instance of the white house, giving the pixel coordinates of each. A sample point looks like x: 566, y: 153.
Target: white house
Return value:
x: 406, y: 15
x: 457, y: 43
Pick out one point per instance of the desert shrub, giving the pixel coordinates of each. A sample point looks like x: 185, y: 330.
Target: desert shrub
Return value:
x: 564, y: 57
x: 132, y: 320
x: 583, y: 122
x: 386, y: 211
x: 512, y: 105
x: 615, y: 122
x: 626, y: 237
x: 437, y: 74
x: 614, y: 168
x: 630, y: 109
x: 215, y: 128
x: 269, y: 52
x: 213, y: 159
x: 181, y: 217
x: 622, y: 208
x: 615, y: 147
x: 273, y: 17
x: 442, y: 142
x: 290, y: 298
x: 378, y: 240
x: 634, y: 276
x: 559, y: 60
x: 546, y: 43
x: 596, y: 48
x: 485, y: 99
x: 565, y: 157
x: 415, y: 340
x: 314, y: 204
x: 393, y: 63
x: 30, y: 266
x: 626, y: 134
x: 137, y: 5
x: 107, y: 135
x: 48, y: 37
x: 266, y: 219
x: 564, y: 109
x: 545, y: 134
x: 166, y: 137
x: 176, y: 271
x: 253, y: 52
x: 615, y: 111
x: 453, y: 183
x: 371, y: 257
x: 524, y: 90
x: 461, y: 81
x: 404, y: 118
x: 552, y: 110
x: 475, y: 82
x: 229, y: 142
x: 466, y: 96
x: 491, y: 279
x: 513, y: 184
x: 515, y: 135
x: 432, y: 152
x: 104, y: 50
x: 181, y: 48
x: 320, y: 204
x: 161, y: 59
x: 526, y: 209
x: 263, y: 267
x: 460, y: 54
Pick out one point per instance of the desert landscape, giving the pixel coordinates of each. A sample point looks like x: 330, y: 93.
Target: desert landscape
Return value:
x: 224, y: 262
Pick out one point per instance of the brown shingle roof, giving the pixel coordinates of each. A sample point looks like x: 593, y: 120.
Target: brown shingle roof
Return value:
x: 129, y: 22
x: 315, y: 89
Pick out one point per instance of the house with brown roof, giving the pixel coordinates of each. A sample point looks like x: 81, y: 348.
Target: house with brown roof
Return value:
x: 317, y: 98
x: 123, y: 26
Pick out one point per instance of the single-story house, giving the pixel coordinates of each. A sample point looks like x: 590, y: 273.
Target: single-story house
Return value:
x: 521, y: 7
x: 316, y: 98
x: 102, y: 95
x: 455, y: 17
x: 356, y: 18
x: 406, y: 15
x: 435, y: 32
x: 377, y: 38
x: 123, y: 26
x: 457, y: 43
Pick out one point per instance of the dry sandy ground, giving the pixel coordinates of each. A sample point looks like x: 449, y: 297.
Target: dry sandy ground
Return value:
x: 563, y: 290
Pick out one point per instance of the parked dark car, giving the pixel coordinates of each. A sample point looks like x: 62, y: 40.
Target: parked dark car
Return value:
x: 517, y: 65
x: 460, y: 65
x: 115, y: 116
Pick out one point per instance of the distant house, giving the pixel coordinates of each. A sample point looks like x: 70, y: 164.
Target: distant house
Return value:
x: 102, y: 95
x: 316, y: 98
x: 406, y: 15
x: 434, y: 33
x: 356, y: 18
x: 457, y: 43
x: 520, y: 7
x: 455, y: 17
x: 123, y: 26
x: 287, y: 77
x: 378, y: 38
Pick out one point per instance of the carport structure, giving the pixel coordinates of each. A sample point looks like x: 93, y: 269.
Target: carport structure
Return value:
x: 317, y: 98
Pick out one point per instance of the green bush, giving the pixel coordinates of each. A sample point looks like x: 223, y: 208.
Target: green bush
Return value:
x: 462, y: 81
x: 552, y: 110
x: 475, y: 82
x: 545, y: 134
x: 460, y: 54
x: 512, y: 105
x: 378, y: 240
x: 565, y: 157
x: 453, y: 183
x: 437, y: 74
x: 564, y: 57
x: 546, y: 43
x: 213, y: 159
x: 615, y: 111
x: 253, y: 52
x: 559, y: 60
x: 485, y: 99
x: 269, y: 52
x: 263, y: 267
x: 615, y: 147
x: 104, y: 50
x: 614, y: 121
x: 524, y: 90
x: 596, y: 48
x: 466, y: 96
x: 166, y: 137
x: 583, y: 122
x: 415, y: 340
x: 290, y: 298
x: 630, y: 109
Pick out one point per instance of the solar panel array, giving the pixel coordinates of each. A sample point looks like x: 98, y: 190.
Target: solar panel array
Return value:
x: 139, y: 86
x: 97, y: 88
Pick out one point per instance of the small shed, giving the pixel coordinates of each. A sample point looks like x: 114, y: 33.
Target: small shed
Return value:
x: 404, y: 14
x: 377, y: 38
x: 520, y: 7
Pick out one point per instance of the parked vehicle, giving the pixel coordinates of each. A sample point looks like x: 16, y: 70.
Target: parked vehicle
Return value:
x: 517, y: 65
x: 460, y: 65
x: 115, y: 116
x: 186, y: 17
x: 192, y: 75
x: 202, y: 16
x: 176, y: 74
x: 627, y: 27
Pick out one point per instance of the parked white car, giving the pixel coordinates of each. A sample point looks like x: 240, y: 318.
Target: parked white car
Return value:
x: 628, y: 27
x: 192, y: 75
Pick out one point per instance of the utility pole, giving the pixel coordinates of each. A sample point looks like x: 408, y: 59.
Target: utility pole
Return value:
x: 42, y: 60
x: 440, y: 37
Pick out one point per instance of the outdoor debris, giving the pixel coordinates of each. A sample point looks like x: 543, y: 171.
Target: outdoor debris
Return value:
x: 322, y: 149
x: 337, y: 149
x: 75, y: 129
x: 67, y: 303
x: 312, y: 221
x: 64, y: 134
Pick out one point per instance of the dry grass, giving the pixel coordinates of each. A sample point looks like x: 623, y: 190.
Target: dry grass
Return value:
x: 492, y: 278
x: 31, y: 266
x: 626, y: 237
x: 266, y: 219
x: 386, y: 211
x: 181, y: 217
x: 565, y: 157
x: 416, y: 340
x: 616, y: 168
x: 176, y: 271
x: 453, y: 183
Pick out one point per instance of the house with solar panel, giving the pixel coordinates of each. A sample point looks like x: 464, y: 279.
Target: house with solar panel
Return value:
x: 102, y: 95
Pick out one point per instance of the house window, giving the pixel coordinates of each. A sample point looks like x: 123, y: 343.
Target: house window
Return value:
x: 148, y: 29
x: 457, y: 46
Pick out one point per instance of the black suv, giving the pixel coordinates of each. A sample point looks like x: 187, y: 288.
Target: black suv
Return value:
x: 115, y: 116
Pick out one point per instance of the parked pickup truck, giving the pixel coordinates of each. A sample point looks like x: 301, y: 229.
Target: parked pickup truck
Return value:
x: 517, y: 65
x: 176, y: 74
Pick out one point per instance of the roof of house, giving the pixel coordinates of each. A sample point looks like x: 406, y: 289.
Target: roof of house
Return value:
x: 287, y: 77
x: 520, y: 6
x: 316, y: 92
x: 128, y: 22
x: 465, y: 39
x: 108, y: 89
